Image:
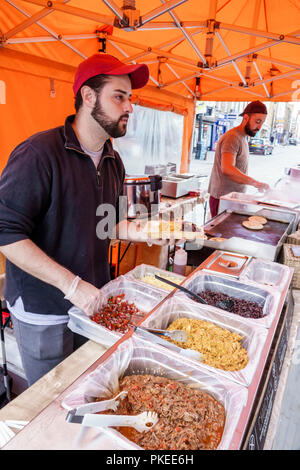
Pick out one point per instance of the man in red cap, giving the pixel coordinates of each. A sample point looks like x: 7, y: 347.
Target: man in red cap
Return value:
x: 229, y: 172
x: 50, y: 191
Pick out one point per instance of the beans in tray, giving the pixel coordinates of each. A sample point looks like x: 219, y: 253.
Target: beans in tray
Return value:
x: 188, y: 419
x: 220, y: 347
x: 242, y: 307
x: 116, y: 314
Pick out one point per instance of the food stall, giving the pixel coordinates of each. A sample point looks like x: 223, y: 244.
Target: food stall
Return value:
x: 122, y: 351
x: 42, y: 417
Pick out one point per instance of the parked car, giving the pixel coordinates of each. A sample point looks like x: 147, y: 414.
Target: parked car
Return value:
x: 292, y: 141
x: 261, y: 146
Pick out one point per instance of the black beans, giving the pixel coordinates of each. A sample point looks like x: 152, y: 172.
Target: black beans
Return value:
x: 241, y: 307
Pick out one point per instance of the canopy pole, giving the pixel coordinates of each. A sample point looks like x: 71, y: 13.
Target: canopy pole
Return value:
x: 186, y: 35
x: 151, y: 15
x: 233, y: 62
x: 54, y: 35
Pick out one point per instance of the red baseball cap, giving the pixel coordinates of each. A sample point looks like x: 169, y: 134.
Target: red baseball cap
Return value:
x: 255, y: 107
x: 105, y: 64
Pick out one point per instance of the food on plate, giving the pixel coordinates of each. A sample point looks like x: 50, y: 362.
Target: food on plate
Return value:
x: 220, y: 347
x: 227, y: 263
x: 252, y: 225
x: 151, y: 279
x: 188, y: 419
x: 242, y: 307
x: 217, y: 239
x: 259, y: 219
x: 178, y: 229
x: 116, y: 314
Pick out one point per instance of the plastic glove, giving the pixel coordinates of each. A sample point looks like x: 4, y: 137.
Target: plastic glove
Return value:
x: 85, y: 296
x: 261, y: 186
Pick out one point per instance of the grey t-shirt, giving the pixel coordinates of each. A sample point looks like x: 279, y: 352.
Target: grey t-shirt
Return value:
x: 233, y: 141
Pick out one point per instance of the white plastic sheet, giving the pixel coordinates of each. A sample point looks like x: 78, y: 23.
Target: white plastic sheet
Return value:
x: 249, y: 291
x: 267, y: 273
x: 253, y: 337
x: 142, y: 270
x: 152, y: 137
x: 144, y: 297
x: 135, y: 356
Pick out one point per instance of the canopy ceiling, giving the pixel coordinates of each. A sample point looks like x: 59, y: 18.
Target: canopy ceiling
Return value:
x: 229, y: 50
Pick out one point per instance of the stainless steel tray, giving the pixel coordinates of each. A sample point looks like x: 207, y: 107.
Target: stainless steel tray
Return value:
x: 144, y: 297
x: 267, y: 273
x: 216, y: 263
x: 139, y: 272
x: 250, y: 291
x: 253, y: 336
x: 136, y: 356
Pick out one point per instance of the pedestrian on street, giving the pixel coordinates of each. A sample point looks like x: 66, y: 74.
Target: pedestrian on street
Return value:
x: 50, y: 190
x: 229, y: 172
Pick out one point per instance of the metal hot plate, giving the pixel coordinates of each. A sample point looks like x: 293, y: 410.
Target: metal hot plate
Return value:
x: 264, y: 243
x: 230, y: 225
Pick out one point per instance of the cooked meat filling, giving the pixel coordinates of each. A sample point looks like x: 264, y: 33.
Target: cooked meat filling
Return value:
x: 188, y: 419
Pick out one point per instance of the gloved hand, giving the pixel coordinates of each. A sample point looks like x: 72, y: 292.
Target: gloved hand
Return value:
x: 85, y: 296
x: 261, y: 186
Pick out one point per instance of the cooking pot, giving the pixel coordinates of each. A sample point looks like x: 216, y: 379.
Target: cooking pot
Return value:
x: 143, y: 195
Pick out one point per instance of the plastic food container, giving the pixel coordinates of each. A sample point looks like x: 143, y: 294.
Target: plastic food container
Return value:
x: 139, y: 272
x: 267, y: 273
x: 135, y: 356
x: 201, y: 282
x: 144, y: 297
x: 253, y: 341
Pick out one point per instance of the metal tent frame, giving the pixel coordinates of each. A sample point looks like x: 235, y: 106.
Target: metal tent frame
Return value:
x: 183, y: 69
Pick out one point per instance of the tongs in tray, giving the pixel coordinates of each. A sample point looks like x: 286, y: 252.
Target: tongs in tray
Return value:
x: 191, y: 353
x: 141, y: 422
x: 176, y: 335
x: 84, y: 415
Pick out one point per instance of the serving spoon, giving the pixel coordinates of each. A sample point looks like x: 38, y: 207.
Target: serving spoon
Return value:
x: 224, y: 304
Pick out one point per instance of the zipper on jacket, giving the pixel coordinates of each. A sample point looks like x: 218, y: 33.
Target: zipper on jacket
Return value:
x: 98, y: 177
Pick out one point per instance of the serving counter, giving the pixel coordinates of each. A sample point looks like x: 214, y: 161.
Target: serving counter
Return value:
x: 45, y: 404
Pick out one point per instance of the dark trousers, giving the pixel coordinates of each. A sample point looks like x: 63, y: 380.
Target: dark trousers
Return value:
x: 43, y: 347
x: 214, y: 206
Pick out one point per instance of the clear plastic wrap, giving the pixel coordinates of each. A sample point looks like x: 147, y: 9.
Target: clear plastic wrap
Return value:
x: 253, y: 336
x: 267, y: 273
x: 139, y: 272
x: 136, y: 356
x: 201, y: 282
x: 144, y: 297
x: 138, y: 148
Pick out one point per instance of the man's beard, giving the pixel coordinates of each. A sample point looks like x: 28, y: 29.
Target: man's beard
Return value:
x: 112, y: 128
x: 249, y: 131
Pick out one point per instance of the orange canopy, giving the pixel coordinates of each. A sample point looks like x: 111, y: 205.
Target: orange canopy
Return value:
x: 216, y: 50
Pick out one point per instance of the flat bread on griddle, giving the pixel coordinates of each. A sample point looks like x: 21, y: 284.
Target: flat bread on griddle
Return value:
x: 259, y: 219
x: 252, y: 225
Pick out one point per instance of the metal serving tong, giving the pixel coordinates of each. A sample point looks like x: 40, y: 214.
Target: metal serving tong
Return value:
x: 141, y: 422
x: 176, y: 335
x: 191, y: 353
x: 224, y: 304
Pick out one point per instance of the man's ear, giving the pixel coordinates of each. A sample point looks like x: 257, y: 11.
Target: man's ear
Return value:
x: 246, y: 118
x: 88, y: 96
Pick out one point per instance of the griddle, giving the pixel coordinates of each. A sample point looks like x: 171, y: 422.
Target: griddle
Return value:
x: 228, y: 225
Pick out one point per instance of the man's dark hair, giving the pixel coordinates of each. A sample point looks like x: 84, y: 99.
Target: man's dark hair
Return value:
x: 96, y: 83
